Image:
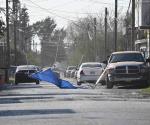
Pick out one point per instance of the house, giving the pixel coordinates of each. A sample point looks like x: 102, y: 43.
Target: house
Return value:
x: 142, y: 23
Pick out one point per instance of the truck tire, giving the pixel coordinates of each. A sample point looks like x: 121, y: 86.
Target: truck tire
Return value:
x: 79, y: 83
x: 145, y: 83
x: 37, y: 82
x: 16, y: 82
x: 109, y: 85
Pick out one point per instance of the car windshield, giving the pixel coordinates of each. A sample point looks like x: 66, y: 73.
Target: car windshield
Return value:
x: 92, y: 65
x: 137, y: 57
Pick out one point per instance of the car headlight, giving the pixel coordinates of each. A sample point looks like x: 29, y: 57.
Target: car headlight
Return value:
x: 143, y: 69
x: 111, y: 70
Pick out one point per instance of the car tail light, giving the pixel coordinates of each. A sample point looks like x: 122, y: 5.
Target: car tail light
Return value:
x: 81, y: 73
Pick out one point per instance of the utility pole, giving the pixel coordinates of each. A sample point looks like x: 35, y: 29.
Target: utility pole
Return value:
x: 88, y: 41
x: 15, y: 17
x: 106, y: 13
x: 95, y: 47
x: 8, y: 44
x: 116, y: 20
x: 148, y: 42
x: 57, y: 48
x: 133, y: 25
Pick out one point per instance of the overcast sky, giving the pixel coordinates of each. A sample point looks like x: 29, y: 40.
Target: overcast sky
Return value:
x: 64, y: 11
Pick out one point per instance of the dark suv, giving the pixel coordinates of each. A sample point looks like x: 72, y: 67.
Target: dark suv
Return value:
x: 23, y: 73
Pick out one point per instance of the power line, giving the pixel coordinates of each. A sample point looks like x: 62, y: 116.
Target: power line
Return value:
x: 98, y: 2
x: 66, y: 3
x: 55, y: 14
x: 50, y: 11
x: 63, y: 11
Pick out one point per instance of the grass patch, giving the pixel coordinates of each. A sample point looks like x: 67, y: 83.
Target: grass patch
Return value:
x: 146, y: 90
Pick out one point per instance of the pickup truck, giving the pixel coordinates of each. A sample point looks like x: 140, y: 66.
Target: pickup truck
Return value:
x: 126, y: 67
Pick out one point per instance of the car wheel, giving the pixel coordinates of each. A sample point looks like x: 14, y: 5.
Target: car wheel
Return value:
x: 16, y: 83
x: 79, y: 83
x: 37, y: 82
x: 109, y: 85
x: 103, y: 82
x: 145, y: 83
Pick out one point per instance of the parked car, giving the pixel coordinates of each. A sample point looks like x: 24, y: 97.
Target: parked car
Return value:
x: 72, y: 73
x: 23, y: 72
x: 67, y: 73
x: 56, y: 71
x: 126, y: 67
x: 75, y: 74
x: 89, y: 72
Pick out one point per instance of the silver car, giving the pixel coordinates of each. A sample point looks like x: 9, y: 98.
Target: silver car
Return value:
x: 67, y: 73
x: 89, y: 72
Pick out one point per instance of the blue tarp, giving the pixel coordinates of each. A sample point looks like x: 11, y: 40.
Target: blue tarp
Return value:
x: 49, y: 76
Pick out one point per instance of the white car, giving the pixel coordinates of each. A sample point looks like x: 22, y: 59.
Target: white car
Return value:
x: 89, y: 72
x: 68, y: 71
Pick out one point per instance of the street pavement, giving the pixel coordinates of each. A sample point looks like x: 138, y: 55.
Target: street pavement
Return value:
x: 45, y: 104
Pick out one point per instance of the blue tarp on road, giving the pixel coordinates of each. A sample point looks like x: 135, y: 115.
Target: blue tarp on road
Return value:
x: 49, y: 76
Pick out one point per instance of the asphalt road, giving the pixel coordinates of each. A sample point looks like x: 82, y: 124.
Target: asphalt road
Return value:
x: 45, y: 104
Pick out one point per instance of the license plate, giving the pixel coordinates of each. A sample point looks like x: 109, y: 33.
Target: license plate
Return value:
x: 92, y: 73
x: 128, y: 80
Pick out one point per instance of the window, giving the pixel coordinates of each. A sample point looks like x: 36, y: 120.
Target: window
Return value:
x: 122, y: 57
x: 92, y: 65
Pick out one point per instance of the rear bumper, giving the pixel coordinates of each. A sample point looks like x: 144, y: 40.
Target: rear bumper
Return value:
x: 87, y: 78
x: 24, y: 78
